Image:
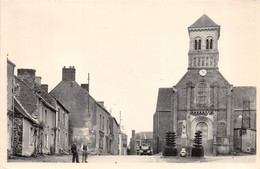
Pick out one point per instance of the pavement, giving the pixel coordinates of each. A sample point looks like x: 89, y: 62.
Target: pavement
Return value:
x: 246, y: 158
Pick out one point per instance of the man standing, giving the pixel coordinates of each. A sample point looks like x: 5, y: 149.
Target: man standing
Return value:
x: 84, y: 149
x: 74, y: 151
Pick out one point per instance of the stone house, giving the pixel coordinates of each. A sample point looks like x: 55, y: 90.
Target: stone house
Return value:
x: 88, y: 119
x: 35, y: 127
x: 10, y: 104
x: 25, y: 131
x: 204, y: 100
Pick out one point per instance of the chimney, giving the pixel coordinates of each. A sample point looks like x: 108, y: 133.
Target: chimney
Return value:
x: 85, y: 86
x: 101, y: 103
x: 68, y: 74
x: 133, y: 133
x: 38, y: 80
x: 27, y: 75
x: 44, y: 87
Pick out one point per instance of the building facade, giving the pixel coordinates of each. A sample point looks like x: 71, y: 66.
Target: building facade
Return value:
x: 89, y: 121
x: 10, y: 105
x: 204, y: 100
x: 32, y: 127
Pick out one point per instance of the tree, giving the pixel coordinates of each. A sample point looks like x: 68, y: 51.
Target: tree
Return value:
x: 197, y: 151
x: 170, y: 139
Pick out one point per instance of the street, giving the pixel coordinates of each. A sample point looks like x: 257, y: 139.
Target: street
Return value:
x: 139, y: 159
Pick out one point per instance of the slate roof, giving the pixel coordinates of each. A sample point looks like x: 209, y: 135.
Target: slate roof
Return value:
x: 145, y: 135
x: 164, y: 99
x: 73, y: 84
x: 45, y: 95
x: 204, y: 21
x: 18, y: 106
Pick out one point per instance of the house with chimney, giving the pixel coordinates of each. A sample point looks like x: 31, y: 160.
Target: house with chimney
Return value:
x: 33, y: 128
x: 89, y: 121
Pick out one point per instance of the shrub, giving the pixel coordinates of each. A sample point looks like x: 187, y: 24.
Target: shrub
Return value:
x: 169, y: 149
x: 197, y: 151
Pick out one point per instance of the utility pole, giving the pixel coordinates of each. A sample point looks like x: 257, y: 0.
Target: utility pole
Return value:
x: 88, y: 92
x: 88, y: 81
x: 120, y: 120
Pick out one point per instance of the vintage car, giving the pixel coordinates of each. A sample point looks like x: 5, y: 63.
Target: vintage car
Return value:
x: 146, y: 150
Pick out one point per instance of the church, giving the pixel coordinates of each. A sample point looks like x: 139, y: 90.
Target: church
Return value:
x: 203, y: 100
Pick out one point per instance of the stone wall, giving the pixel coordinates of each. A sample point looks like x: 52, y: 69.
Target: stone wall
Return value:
x: 18, y: 134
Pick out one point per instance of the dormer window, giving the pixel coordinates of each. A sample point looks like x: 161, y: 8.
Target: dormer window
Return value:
x: 197, y: 44
x: 209, y: 43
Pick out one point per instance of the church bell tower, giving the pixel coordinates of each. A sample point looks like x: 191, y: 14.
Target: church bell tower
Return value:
x: 203, y: 52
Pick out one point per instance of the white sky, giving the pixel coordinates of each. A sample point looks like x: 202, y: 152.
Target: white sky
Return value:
x: 130, y: 48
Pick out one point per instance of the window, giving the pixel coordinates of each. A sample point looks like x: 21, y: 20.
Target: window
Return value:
x: 46, y: 117
x: 107, y: 126
x: 100, y: 121
x: 46, y: 141
x: 63, y: 118
x: 209, y: 43
x: 101, y: 142
x: 199, y: 46
x: 58, y: 114
x: 103, y: 124
x: 197, y: 43
x: 31, y: 135
x: 202, y: 93
x: 53, y: 120
x: 42, y: 114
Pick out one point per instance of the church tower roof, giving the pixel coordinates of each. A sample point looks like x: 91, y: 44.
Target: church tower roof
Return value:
x: 204, y: 21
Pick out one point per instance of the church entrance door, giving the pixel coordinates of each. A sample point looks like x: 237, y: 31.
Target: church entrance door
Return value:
x: 203, y: 127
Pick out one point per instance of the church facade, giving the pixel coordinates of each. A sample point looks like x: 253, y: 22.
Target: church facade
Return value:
x: 204, y: 100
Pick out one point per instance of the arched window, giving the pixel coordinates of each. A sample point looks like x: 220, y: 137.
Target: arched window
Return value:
x: 199, y: 46
x: 209, y: 43
x: 202, y: 93
x: 197, y: 43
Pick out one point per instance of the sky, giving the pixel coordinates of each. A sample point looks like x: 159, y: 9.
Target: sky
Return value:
x: 130, y: 48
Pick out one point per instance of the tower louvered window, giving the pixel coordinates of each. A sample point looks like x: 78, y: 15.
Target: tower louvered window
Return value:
x: 197, y: 43
x: 209, y: 43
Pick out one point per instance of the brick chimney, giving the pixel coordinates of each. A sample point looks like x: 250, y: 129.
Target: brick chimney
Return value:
x: 85, y: 86
x: 38, y: 80
x: 44, y: 87
x: 27, y: 75
x: 68, y: 74
x: 133, y: 133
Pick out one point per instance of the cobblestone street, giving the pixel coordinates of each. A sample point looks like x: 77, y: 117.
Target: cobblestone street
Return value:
x: 139, y: 159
